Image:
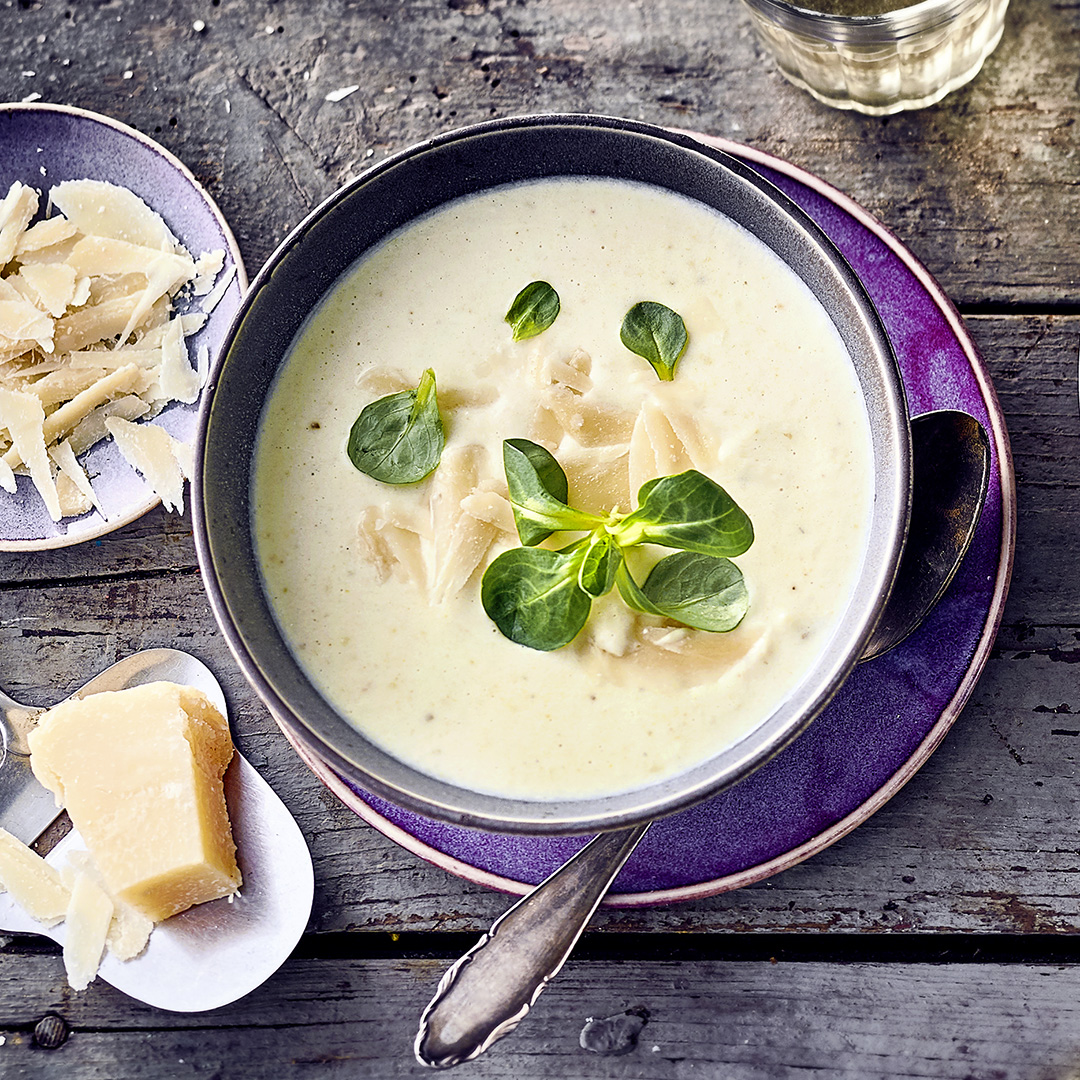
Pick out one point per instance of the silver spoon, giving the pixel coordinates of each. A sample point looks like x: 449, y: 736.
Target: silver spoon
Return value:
x: 209, y: 955
x: 490, y: 990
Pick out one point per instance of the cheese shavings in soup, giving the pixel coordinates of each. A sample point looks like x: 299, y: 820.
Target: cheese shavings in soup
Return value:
x: 90, y: 340
x: 376, y: 587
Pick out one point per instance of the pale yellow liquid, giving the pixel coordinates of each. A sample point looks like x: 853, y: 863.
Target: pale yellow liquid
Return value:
x: 766, y: 383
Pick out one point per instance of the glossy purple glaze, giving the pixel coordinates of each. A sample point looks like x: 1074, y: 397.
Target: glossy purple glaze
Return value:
x: 43, y: 145
x: 890, y: 713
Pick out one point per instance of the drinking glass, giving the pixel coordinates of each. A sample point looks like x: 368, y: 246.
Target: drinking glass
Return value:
x: 885, y: 60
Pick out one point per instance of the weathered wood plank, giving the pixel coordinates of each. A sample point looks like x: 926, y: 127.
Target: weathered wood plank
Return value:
x: 1033, y: 363
x: 976, y: 184
x: 939, y: 857
x: 742, y: 1021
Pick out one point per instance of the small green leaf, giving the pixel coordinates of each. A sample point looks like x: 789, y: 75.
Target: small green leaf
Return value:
x: 687, y: 511
x: 631, y: 592
x: 657, y: 333
x: 534, y: 309
x: 399, y: 439
x: 538, y: 492
x: 599, y: 565
x: 532, y: 596
x: 699, y: 591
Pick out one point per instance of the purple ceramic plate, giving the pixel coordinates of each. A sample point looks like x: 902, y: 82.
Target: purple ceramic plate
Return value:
x: 42, y: 145
x: 891, y: 713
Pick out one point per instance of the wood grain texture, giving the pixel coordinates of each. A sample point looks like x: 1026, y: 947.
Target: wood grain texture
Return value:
x: 983, y: 186
x: 745, y: 1021
x: 982, y: 840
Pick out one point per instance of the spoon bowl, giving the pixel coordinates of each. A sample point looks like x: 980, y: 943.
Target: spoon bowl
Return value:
x: 211, y: 954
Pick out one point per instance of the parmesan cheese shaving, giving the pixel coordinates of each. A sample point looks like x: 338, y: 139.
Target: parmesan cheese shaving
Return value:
x: 127, y: 379
x: 22, y: 322
x: 44, y: 234
x: 87, y: 331
x: 24, y: 419
x: 53, y: 285
x: 214, y: 298
x: 19, y: 206
x: 129, y: 929
x: 64, y: 456
x: 73, y: 503
x: 177, y: 379
x: 34, y: 885
x: 207, y: 268
x: 97, y: 208
x: 91, y: 429
x: 152, y: 451
x: 89, y: 916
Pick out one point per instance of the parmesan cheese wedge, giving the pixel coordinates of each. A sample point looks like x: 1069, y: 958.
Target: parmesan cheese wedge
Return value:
x: 34, y: 885
x: 140, y: 773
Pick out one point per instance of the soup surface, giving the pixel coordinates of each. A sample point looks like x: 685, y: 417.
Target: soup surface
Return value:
x: 377, y: 587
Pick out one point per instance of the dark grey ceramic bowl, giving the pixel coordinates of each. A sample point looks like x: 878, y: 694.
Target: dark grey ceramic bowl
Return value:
x: 327, y: 244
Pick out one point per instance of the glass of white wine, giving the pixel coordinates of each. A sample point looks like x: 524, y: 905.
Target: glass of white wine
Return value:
x: 879, y: 56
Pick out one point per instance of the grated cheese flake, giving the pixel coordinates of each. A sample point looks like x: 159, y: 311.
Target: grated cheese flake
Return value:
x: 87, y: 331
x: 97, y: 208
x: 150, y: 450
x: 24, y: 418
x: 89, y: 916
x: 34, y: 885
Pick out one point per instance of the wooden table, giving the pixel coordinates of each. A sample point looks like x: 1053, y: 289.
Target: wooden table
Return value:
x: 937, y: 940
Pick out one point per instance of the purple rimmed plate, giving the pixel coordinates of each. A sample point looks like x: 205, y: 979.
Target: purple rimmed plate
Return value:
x: 42, y: 145
x: 890, y: 714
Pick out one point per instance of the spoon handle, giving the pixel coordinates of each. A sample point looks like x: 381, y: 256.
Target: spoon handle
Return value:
x: 487, y: 993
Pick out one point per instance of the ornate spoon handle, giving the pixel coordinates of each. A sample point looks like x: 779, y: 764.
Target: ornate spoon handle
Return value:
x: 487, y: 993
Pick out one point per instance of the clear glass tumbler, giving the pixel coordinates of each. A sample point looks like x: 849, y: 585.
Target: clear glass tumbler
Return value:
x: 906, y: 58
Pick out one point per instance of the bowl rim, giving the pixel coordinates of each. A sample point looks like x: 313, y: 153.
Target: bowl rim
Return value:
x: 463, y: 806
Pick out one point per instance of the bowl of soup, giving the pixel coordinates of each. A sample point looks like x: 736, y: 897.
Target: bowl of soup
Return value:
x: 387, y: 546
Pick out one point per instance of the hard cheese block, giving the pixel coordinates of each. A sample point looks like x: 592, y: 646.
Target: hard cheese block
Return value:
x: 140, y: 773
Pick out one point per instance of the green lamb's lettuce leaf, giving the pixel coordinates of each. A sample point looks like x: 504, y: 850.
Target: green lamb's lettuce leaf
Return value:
x: 534, y: 309
x: 533, y: 597
x: 541, y: 598
x: 658, y: 334
x: 399, y: 439
x: 538, y: 492
x: 690, y: 512
x: 599, y: 564
x: 697, y: 590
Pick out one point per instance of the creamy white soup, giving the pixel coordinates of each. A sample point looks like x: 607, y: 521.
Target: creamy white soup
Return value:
x: 377, y: 587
